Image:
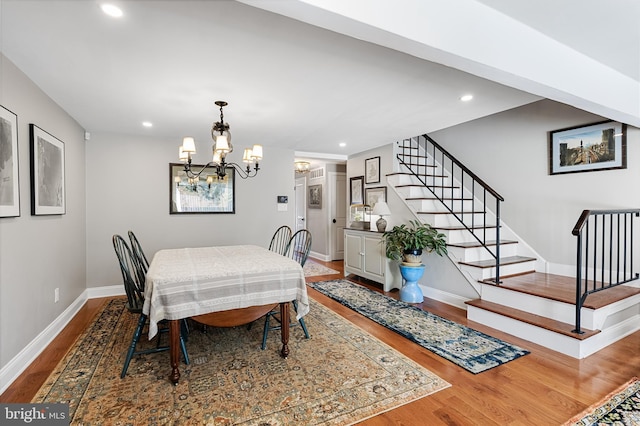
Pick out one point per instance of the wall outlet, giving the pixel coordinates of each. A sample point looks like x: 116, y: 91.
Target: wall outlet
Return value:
x: 56, y: 295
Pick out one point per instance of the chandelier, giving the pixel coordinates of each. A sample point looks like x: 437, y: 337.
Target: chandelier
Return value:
x: 221, y: 148
x: 301, y: 166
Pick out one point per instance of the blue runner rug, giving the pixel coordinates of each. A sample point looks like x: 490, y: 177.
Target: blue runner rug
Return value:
x: 470, y: 349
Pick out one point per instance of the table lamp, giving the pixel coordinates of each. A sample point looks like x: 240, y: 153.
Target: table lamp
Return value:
x: 381, y: 209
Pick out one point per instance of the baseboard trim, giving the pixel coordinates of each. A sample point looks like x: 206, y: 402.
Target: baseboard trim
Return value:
x: 444, y: 297
x: 12, y: 370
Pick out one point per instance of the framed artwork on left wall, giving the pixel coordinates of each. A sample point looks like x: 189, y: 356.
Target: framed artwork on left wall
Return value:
x: 9, y: 182
x: 47, y: 173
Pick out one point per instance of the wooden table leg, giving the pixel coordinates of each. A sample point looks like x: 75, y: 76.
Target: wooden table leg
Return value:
x: 284, y: 329
x: 174, y: 350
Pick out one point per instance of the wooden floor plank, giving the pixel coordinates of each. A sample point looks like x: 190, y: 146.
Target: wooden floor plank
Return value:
x: 542, y: 388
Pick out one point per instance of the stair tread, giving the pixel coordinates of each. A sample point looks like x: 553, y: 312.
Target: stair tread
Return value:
x: 533, y: 319
x: 561, y: 288
x: 474, y: 244
x: 510, y: 260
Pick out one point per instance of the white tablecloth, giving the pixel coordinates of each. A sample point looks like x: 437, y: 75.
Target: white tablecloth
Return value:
x: 193, y: 281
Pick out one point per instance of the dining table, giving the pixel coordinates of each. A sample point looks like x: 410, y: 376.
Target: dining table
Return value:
x: 222, y: 286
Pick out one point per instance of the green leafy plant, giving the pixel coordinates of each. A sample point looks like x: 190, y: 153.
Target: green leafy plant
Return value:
x: 416, y: 236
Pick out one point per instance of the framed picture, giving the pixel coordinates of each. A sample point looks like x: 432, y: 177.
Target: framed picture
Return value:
x: 356, y: 190
x: 372, y: 170
x: 9, y: 185
x: 205, y: 194
x: 47, y: 173
x: 598, y: 146
x: 314, y: 200
x: 373, y: 195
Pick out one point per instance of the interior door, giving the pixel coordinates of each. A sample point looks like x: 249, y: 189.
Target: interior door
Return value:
x: 301, y: 203
x: 338, y: 213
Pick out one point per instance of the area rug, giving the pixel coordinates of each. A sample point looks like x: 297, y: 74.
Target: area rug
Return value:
x: 341, y: 375
x: 470, y: 349
x: 313, y: 269
x: 620, y: 407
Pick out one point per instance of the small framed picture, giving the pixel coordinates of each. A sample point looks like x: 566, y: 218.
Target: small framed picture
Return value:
x: 47, y: 173
x: 373, y: 195
x: 356, y: 195
x: 598, y: 146
x: 372, y: 170
x: 315, y: 197
x: 9, y: 185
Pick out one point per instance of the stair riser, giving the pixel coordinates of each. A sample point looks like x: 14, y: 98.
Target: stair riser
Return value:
x: 558, y: 311
x: 575, y: 348
x: 436, y: 205
x: 418, y: 192
x: 450, y: 220
x: 480, y: 274
x: 481, y: 253
x: 460, y: 236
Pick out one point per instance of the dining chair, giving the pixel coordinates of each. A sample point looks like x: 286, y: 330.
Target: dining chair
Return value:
x: 297, y: 249
x: 280, y: 240
x: 134, y: 289
x: 137, y: 251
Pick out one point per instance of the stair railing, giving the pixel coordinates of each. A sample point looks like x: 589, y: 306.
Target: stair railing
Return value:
x: 422, y: 156
x: 605, y: 240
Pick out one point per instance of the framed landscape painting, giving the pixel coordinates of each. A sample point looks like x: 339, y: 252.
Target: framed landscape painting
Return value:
x: 47, y: 173
x: 598, y: 146
x: 9, y: 184
x: 204, y: 194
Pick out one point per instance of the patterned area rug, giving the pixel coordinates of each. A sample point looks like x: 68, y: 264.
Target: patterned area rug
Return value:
x: 468, y: 348
x: 313, y: 269
x: 620, y: 407
x: 341, y: 375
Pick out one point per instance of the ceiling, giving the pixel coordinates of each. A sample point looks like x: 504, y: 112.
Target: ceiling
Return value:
x: 296, y: 76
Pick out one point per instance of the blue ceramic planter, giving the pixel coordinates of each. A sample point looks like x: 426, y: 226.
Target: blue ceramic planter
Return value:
x: 410, y: 291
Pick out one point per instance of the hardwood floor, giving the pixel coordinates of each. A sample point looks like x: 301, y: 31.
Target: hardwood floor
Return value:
x: 542, y: 388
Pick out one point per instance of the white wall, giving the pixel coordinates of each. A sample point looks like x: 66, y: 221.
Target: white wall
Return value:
x: 509, y: 151
x: 128, y: 189
x: 39, y: 253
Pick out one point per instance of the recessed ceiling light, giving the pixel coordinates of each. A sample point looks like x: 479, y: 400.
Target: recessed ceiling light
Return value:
x: 466, y: 98
x: 342, y: 144
x: 147, y: 124
x: 111, y: 10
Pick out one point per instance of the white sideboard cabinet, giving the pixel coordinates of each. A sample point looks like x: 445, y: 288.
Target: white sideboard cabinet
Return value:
x: 364, y: 255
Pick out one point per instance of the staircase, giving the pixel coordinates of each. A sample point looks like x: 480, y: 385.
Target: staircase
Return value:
x: 514, y: 295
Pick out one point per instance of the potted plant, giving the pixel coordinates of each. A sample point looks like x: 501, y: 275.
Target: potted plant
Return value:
x: 407, y: 242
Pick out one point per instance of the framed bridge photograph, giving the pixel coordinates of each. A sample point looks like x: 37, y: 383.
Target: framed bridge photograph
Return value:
x: 598, y: 146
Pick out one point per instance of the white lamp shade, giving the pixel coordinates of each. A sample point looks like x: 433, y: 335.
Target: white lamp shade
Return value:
x: 216, y: 157
x: 222, y: 144
x: 247, y: 157
x: 381, y: 209
x: 183, y: 156
x: 189, y: 145
x: 256, y: 152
